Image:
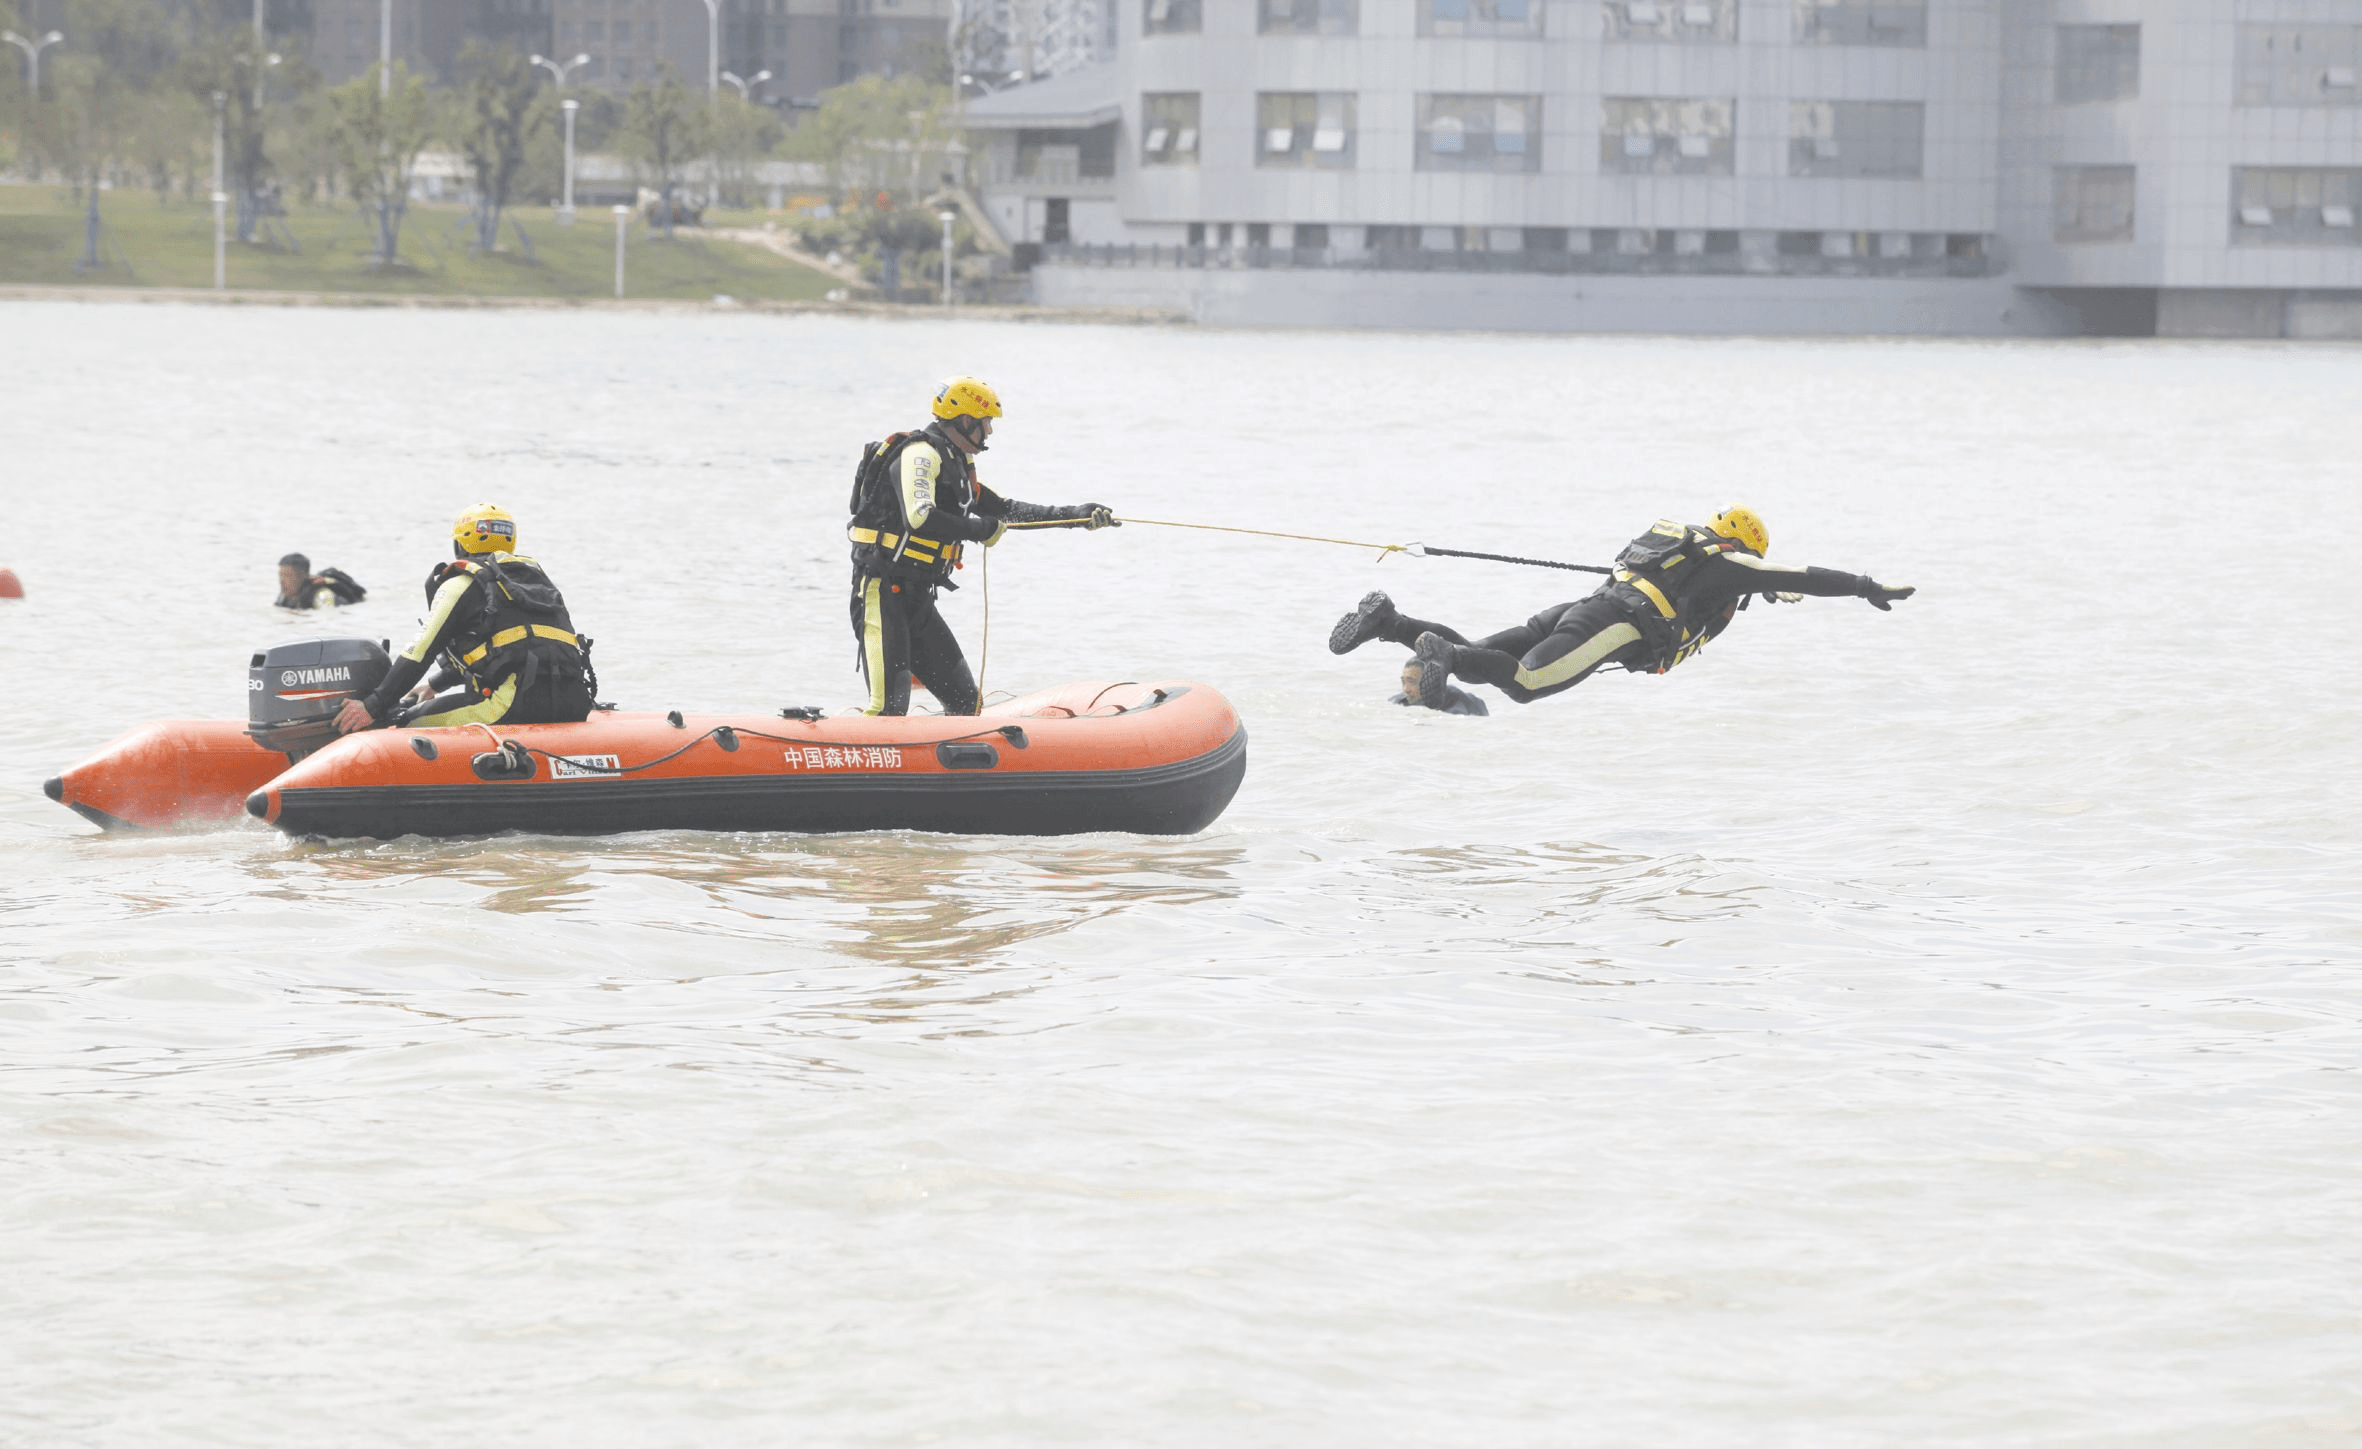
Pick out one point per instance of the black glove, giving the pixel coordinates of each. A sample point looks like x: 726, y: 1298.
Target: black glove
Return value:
x: 1882, y: 597
x: 1098, y: 515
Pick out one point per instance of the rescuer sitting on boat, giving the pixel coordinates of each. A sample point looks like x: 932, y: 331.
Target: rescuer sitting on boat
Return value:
x: 509, y: 652
x: 1674, y: 588
x: 916, y: 502
x: 300, y: 588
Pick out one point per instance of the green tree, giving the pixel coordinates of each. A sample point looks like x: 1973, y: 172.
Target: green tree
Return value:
x: 81, y: 124
x: 231, y: 65
x: 879, y: 133
x: 500, y: 107
x: 378, y: 141
x: 664, y: 127
x: 743, y: 133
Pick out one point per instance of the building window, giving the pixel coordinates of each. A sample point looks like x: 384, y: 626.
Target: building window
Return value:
x: 1654, y: 22
x: 1855, y: 138
x: 2091, y: 203
x: 2297, y: 65
x: 1482, y: 19
x: 1304, y: 128
x: 1173, y: 17
x: 623, y: 32
x: 2294, y: 206
x: 2099, y: 63
x: 1056, y: 215
x: 1479, y: 133
x: 1665, y: 136
x: 1064, y: 157
x: 1861, y: 22
x: 1168, y: 129
x: 1311, y: 17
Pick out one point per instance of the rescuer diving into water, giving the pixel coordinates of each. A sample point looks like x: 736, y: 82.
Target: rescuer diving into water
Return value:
x: 1673, y: 588
x: 508, y: 649
x: 916, y: 503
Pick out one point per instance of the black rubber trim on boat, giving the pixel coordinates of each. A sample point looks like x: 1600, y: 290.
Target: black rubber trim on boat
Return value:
x: 55, y: 788
x: 98, y: 817
x: 1178, y: 798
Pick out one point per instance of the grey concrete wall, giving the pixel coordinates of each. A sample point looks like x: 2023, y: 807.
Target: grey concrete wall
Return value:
x: 1968, y: 307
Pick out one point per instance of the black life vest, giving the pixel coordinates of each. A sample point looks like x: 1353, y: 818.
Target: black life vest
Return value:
x: 881, y: 546
x: 514, y: 624
x: 340, y: 583
x: 1656, y: 581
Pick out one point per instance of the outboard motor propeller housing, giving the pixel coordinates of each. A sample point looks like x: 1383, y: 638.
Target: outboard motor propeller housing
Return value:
x: 293, y: 691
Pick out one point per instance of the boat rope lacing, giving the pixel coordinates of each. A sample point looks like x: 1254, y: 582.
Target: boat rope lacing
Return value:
x: 727, y: 737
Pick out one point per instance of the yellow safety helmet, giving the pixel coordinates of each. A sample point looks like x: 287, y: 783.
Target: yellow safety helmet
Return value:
x: 1743, y: 525
x: 967, y: 397
x: 485, y: 528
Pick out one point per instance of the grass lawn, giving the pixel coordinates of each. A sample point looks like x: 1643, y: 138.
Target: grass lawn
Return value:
x: 172, y: 246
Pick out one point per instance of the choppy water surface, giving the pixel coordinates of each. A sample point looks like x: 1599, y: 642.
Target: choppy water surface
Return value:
x: 1935, y: 1026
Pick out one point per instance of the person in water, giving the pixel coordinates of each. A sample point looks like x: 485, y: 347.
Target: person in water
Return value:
x: 1455, y: 699
x: 916, y: 502
x: 1674, y: 588
x: 300, y: 588
x: 508, y: 649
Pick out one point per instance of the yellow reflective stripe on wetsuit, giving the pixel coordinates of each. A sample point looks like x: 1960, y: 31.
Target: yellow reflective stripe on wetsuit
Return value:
x: 873, y: 642
x: 1579, y: 660
x: 506, y: 637
x: 491, y: 709
x: 448, y: 597
x: 1656, y: 595
x: 924, y: 550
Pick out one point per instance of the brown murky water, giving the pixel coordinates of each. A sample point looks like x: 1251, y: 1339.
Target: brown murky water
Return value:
x: 1926, y: 1027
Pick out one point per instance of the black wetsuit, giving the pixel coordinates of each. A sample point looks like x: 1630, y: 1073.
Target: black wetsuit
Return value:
x: 1625, y: 623
x: 502, y: 633
x: 916, y: 504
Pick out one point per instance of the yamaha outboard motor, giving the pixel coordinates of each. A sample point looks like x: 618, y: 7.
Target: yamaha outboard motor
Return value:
x: 293, y: 691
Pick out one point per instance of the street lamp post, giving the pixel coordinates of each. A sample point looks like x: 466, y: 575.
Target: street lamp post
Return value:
x: 622, y: 216
x: 221, y: 199
x: 747, y: 85
x: 713, y: 50
x: 566, y: 207
x: 32, y: 50
x: 385, y: 48
x: 945, y: 216
x: 557, y: 70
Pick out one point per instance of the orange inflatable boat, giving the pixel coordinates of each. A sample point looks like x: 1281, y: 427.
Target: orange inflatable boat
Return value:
x: 1152, y: 759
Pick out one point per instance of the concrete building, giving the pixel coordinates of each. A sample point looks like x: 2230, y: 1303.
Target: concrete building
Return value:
x: 1961, y: 166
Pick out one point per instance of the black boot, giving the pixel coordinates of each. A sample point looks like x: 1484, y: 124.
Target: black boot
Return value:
x: 1434, y: 662
x: 1371, y: 619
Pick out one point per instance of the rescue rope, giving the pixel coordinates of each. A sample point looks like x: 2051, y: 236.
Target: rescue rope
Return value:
x: 1415, y: 550
x: 738, y: 732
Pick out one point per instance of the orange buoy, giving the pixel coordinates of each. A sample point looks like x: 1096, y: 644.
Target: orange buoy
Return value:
x: 10, y: 586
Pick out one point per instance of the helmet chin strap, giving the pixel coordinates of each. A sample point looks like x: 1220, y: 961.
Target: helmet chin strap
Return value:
x: 971, y: 431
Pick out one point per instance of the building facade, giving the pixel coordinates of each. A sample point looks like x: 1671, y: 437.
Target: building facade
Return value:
x: 1864, y: 165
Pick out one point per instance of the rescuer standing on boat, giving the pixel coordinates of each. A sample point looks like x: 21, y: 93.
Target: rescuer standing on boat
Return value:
x: 1674, y: 587
x: 915, y: 504
x: 508, y: 648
